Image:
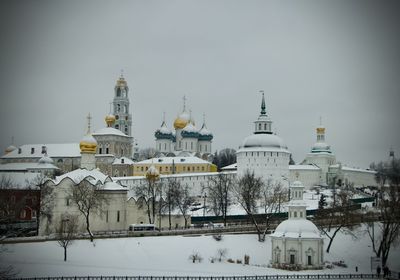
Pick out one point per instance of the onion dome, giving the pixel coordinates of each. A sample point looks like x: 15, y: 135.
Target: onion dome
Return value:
x: 182, y: 120
x: 45, y: 159
x: 110, y: 120
x: 190, y: 131
x: 88, y: 144
x: 9, y: 149
x: 164, y: 132
x: 205, y: 134
x: 152, y: 173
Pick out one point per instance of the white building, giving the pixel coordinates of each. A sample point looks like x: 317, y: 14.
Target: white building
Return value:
x: 297, y: 242
x: 264, y: 153
x: 186, y: 139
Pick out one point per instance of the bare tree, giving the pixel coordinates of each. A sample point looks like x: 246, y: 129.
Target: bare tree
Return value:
x: 247, y: 192
x: 224, y: 158
x: 337, y: 217
x: 88, y: 199
x: 170, y: 201
x: 66, y: 232
x: 150, y: 192
x: 147, y: 153
x: 387, y: 231
x: 47, y: 200
x: 183, y: 199
x: 219, y: 194
x: 273, y: 195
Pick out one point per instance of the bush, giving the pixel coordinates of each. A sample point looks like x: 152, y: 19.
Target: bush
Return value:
x: 230, y: 261
x: 195, y: 257
x: 239, y: 261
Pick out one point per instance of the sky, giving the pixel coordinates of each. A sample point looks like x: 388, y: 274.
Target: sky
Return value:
x: 338, y: 60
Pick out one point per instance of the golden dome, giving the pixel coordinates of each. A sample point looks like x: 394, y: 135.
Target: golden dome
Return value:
x: 121, y: 82
x: 182, y: 120
x: 320, y: 130
x: 152, y: 174
x: 110, y: 119
x: 88, y: 144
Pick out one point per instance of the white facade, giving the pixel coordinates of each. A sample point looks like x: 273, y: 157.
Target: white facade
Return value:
x: 296, y: 242
x: 310, y: 175
x: 185, y: 139
x: 264, y: 153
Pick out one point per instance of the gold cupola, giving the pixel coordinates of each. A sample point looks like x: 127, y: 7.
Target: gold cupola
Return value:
x: 110, y: 120
x: 183, y: 119
x: 88, y: 144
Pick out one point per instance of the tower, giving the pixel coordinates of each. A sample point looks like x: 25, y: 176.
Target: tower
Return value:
x: 88, y: 147
x: 263, y: 152
x: 123, y: 119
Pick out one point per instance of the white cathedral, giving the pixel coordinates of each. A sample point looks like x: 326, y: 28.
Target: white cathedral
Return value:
x: 186, y: 139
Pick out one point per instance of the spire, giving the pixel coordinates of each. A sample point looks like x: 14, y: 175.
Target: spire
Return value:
x: 263, y: 111
x: 163, y: 119
x: 89, y: 118
x: 184, y: 103
x: 122, y: 74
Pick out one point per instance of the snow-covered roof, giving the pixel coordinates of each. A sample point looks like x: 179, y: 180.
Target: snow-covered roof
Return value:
x: 78, y: 175
x: 175, y: 160
x: 346, y: 168
x: 230, y: 167
x: 52, y: 150
x: 110, y: 131
x: 94, y: 177
x: 26, y: 166
x: 295, y: 228
x: 123, y: 160
x: 21, y: 180
x: 303, y: 167
x: 265, y: 141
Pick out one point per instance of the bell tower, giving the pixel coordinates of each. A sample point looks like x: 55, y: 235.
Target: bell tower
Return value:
x: 123, y: 118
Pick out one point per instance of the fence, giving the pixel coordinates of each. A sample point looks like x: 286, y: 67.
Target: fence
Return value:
x: 261, y: 277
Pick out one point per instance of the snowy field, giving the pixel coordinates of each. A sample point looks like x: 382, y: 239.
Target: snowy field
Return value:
x: 170, y: 256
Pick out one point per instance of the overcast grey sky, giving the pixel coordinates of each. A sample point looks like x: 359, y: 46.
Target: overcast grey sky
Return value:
x: 335, y: 59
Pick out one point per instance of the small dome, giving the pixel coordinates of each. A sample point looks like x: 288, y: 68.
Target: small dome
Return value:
x: 88, y: 144
x: 152, y: 173
x: 263, y: 140
x: 190, y: 131
x: 110, y: 120
x: 321, y: 147
x: 297, y: 228
x: 182, y: 120
x: 10, y: 148
x: 45, y: 160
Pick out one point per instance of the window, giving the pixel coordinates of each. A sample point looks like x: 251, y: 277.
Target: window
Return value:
x: 34, y: 214
x: 295, y: 214
x: 60, y: 161
x: 118, y: 107
x: 67, y: 201
x: 43, y: 149
x: 107, y: 216
x: 117, y: 126
x: 259, y: 126
x: 107, y: 150
x: 100, y: 151
x: 265, y: 126
x: 23, y: 214
x: 19, y: 150
x: 32, y: 150
x: 118, y: 216
x: 309, y: 260
x: 291, y: 258
x: 122, y: 160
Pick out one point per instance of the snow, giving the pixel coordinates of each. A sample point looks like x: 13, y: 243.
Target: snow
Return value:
x: 165, y: 256
x: 113, y: 186
x: 20, y: 179
x: 26, y: 166
x: 230, y: 167
x: 109, y: 131
x: 53, y: 151
x: 176, y: 160
x: 88, y: 138
x: 78, y: 175
x: 303, y: 167
x: 125, y: 159
x: 295, y: 228
x: 264, y: 140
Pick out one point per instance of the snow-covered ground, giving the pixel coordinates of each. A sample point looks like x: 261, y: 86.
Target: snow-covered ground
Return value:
x: 170, y: 256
